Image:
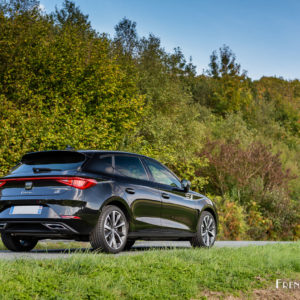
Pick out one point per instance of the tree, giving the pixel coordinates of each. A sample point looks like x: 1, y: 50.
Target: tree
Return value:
x: 224, y: 64
x: 232, y: 91
x: 12, y: 8
x: 71, y: 15
x: 284, y: 96
x: 126, y: 36
x: 60, y: 86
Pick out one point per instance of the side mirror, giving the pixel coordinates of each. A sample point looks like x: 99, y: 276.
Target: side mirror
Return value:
x: 185, y: 184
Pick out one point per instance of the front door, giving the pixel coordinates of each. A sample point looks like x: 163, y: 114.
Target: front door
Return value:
x: 178, y: 213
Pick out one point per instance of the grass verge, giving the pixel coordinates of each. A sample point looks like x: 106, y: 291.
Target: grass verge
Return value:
x: 157, y: 274
x: 54, y: 245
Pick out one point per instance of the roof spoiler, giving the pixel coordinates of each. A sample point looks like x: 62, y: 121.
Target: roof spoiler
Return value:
x: 53, y: 156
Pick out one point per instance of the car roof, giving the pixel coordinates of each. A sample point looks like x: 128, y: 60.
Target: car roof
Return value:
x: 91, y: 152
x: 112, y: 152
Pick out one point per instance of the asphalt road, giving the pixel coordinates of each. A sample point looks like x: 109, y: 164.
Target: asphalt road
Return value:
x: 139, y: 247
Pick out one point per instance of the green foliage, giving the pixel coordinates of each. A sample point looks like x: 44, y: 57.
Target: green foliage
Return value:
x: 60, y: 86
x: 232, y: 218
x: 62, y: 83
x: 255, y: 179
x: 188, y: 170
x: 231, y: 91
x: 278, y: 214
x: 285, y: 97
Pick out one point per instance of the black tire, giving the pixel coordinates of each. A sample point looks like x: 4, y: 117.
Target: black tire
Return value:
x: 110, y: 241
x: 129, y: 245
x: 18, y: 244
x: 206, y: 231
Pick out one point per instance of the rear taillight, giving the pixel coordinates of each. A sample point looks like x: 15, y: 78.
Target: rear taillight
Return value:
x: 2, y: 182
x: 76, y: 182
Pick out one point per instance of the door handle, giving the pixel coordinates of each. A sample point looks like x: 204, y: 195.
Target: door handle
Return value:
x: 130, y: 191
x: 165, y: 195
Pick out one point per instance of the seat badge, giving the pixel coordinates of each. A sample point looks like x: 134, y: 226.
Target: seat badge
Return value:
x: 28, y: 185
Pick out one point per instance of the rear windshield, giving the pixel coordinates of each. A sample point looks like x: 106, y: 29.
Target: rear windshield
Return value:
x: 44, y: 162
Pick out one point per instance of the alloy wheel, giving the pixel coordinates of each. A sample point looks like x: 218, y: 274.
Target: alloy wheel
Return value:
x: 115, y: 229
x: 208, y: 230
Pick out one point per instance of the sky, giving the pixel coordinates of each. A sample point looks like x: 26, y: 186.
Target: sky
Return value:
x: 264, y: 34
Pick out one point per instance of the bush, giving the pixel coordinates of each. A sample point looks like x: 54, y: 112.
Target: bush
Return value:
x: 232, y: 219
x: 257, y: 185
x: 231, y: 166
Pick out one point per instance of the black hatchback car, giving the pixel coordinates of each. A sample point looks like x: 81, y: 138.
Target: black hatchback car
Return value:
x: 109, y: 198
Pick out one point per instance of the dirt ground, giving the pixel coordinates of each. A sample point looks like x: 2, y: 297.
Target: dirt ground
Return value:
x: 263, y: 294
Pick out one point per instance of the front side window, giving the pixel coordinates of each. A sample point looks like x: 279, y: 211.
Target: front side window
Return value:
x: 162, y: 175
x: 130, y: 166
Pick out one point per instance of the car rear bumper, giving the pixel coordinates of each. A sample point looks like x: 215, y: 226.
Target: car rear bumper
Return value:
x: 25, y: 227
x: 54, y: 218
x: 45, y: 228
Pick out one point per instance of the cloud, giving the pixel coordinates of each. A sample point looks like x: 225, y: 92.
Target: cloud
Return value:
x: 42, y: 7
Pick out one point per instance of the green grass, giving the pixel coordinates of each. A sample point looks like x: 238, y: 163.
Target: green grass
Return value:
x: 155, y: 274
x: 50, y: 245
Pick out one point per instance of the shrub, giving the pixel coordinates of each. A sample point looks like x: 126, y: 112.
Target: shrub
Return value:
x: 230, y: 165
x: 232, y: 219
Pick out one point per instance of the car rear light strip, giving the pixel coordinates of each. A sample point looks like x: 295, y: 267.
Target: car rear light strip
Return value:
x: 76, y: 182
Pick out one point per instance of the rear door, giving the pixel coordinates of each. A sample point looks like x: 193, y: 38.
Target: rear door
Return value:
x: 178, y: 213
x: 141, y: 194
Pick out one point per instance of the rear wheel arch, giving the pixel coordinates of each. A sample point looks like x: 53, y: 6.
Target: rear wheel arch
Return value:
x: 119, y: 202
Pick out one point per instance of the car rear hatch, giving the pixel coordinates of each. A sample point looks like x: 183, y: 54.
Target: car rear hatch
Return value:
x: 43, y: 190
x: 44, y: 174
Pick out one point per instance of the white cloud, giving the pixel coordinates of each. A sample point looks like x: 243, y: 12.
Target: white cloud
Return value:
x: 42, y: 7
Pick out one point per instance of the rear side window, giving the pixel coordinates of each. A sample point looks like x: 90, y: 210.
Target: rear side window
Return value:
x: 100, y: 164
x: 130, y: 166
x: 43, y: 162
